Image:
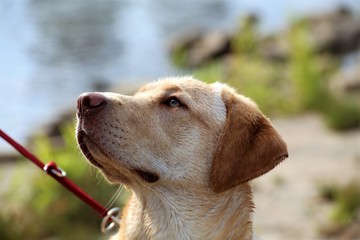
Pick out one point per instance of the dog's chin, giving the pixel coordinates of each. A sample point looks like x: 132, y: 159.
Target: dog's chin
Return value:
x: 147, y: 176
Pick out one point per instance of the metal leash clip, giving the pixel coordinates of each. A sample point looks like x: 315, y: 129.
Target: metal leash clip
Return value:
x: 53, y: 168
x: 111, y: 221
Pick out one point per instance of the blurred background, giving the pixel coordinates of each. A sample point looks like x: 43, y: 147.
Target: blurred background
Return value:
x: 299, y: 60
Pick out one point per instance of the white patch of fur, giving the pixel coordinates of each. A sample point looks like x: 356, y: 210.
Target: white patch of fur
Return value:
x: 219, y: 105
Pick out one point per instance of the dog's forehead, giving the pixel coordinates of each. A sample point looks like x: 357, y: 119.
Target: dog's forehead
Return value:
x: 181, y: 84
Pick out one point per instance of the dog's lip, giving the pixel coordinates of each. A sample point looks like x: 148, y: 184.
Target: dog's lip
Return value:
x: 81, y: 135
x: 147, y: 176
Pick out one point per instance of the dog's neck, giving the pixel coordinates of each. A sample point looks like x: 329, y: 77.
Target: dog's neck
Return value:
x: 180, y: 213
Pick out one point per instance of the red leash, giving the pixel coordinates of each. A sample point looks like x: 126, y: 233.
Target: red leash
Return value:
x: 110, y: 218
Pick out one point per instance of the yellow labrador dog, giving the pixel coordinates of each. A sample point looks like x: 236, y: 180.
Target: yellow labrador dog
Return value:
x: 187, y: 150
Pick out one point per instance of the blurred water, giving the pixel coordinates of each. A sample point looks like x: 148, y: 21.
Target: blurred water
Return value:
x: 51, y: 51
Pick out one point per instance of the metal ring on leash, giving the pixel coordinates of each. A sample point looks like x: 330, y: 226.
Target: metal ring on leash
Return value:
x: 51, y: 167
x: 111, y: 221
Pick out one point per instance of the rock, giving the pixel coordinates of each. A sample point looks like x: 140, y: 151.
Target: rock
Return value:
x: 211, y: 46
x: 275, y: 48
x: 347, y: 80
x: 199, y: 48
x: 336, y: 33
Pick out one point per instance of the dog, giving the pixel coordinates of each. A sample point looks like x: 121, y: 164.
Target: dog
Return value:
x: 187, y: 151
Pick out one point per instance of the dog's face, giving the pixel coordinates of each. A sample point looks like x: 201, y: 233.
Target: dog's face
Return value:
x: 177, y: 131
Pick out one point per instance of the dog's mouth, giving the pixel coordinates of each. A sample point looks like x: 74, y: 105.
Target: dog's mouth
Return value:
x: 147, y: 176
x: 81, y: 135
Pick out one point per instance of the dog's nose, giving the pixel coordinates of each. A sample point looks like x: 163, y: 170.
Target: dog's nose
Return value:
x: 90, y: 101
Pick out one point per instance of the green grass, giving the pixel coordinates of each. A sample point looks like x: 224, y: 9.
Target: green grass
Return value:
x: 179, y: 56
x: 213, y: 72
x: 309, y: 83
x: 345, y: 202
x: 343, y: 115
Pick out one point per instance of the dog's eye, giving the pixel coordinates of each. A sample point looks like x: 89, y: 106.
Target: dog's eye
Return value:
x: 172, y: 102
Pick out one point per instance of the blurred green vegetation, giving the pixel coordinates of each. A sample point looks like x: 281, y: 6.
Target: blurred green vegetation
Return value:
x: 47, y: 210
x: 292, y: 86
x: 346, y: 206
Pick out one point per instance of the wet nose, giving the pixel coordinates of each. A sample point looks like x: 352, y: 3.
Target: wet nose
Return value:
x: 90, y: 102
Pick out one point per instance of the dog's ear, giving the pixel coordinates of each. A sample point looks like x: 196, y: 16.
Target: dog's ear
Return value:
x: 248, y: 147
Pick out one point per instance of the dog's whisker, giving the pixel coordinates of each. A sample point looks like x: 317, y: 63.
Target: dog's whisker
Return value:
x: 99, y: 175
x: 115, y: 196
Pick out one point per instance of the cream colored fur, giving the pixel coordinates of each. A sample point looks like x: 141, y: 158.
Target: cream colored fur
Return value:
x: 141, y: 134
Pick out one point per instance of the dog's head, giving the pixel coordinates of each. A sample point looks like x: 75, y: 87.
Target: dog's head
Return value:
x: 178, y: 131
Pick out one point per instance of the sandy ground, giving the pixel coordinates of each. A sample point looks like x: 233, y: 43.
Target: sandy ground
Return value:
x: 286, y: 199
